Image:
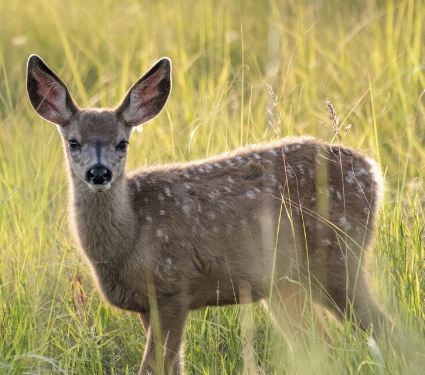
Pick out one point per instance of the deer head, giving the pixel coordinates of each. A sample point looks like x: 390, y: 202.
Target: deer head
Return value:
x: 96, y: 140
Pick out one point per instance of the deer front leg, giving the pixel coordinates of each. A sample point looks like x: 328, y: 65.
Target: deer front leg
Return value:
x: 145, y: 318
x: 164, y: 337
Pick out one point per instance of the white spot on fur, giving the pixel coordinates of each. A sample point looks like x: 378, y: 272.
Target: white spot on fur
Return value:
x: 162, y: 212
x: 344, y: 223
x: 215, y: 229
x: 229, y: 228
x: 186, y: 209
x: 257, y: 190
x: 186, y: 244
x: 250, y: 194
x: 273, y: 152
x: 289, y: 172
x: 148, y: 219
x: 230, y: 179
x: 239, y: 159
x: 227, y: 189
x: 301, y: 142
x: 256, y: 156
x: 338, y: 195
x: 301, y: 168
x: 201, y: 169
x: 137, y: 184
x: 214, y: 194
x: 199, y: 208
x: 311, y: 173
x: 146, y: 200
x: 159, y: 233
x: 326, y: 242
x: 268, y: 190
x: 208, y: 167
x: 211, y: 215
x: 168, y: 260
x: 167, y: 192
x: 161, y: 198
x: 273, y: 179
x: 280, y: 187
x: 243, y: 222
x: 217, y: 165
x: 350, y: 178
x: 228, y: 161
x: 286, y: 149
x: 362, y: 171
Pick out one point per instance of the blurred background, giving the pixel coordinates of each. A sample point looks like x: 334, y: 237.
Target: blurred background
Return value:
x: 366, y: 57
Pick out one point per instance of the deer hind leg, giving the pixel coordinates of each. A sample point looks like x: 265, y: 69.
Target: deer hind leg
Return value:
x: 366, y: 309
x: 296, y: 314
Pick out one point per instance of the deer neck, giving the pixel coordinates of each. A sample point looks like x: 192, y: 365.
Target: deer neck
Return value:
x: 103, y: 222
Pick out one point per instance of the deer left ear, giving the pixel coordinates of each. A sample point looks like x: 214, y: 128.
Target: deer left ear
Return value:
x: 48, y: 94
x: 145, y: 100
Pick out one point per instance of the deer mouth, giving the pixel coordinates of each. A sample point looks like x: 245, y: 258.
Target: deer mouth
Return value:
x: 97, y: 188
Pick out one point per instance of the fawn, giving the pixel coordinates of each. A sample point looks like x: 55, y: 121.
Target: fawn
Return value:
x: 169, y: 239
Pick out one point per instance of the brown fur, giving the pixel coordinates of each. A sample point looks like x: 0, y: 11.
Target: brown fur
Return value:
x: 169, y: 239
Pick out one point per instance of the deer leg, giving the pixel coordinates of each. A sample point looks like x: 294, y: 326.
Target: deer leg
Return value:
x: 365, y: 306
x: 164, y: 336
x: 145, y: 318
x: 293, y: 310
x: 367, y: 309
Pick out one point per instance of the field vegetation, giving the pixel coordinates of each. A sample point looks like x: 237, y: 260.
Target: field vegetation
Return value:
x: 366, y: 56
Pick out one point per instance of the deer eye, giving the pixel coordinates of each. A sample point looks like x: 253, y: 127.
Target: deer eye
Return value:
x: 122, y: 146
x: 73, y: 145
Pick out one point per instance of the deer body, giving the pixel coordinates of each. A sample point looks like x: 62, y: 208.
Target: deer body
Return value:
x: 169, y: 239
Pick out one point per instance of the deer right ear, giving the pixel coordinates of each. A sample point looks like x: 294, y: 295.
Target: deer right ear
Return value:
x: 148, y: 96
x: 48, y: 94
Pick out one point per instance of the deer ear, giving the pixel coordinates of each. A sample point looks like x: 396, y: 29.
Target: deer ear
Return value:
x: 48, y: 94
x: 148, y: 96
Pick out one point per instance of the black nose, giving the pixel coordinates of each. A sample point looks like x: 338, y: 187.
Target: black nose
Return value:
x: 98, y: 175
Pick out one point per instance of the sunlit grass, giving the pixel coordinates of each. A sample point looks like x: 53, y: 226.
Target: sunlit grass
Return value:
x: 367, y: 57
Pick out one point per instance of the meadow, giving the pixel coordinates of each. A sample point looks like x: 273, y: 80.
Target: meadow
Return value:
x: 367, y: 57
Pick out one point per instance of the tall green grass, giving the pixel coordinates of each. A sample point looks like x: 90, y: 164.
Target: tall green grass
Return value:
x: 367, y: 57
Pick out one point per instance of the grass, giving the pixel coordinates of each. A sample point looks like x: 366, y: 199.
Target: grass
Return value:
x: 366, y: 56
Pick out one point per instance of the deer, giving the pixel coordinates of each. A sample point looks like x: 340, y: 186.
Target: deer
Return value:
x: 289, y: 222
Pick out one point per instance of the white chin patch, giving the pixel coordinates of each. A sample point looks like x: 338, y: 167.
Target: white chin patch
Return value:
x: 99, y: 188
